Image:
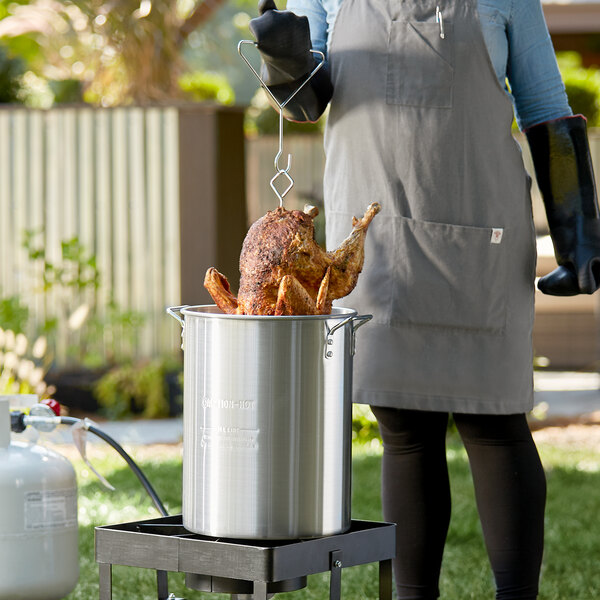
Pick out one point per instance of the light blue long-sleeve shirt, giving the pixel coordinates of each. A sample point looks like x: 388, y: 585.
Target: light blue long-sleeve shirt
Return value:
x: 518, y: 43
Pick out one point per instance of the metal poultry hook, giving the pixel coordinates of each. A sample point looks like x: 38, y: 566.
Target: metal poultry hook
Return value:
x: 281, y: 106
x: 278, y: 169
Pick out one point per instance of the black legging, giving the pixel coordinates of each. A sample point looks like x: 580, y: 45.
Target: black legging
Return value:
x: 510, y: 489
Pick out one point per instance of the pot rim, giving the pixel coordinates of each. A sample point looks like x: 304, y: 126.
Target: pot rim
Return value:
x: 211, y: 311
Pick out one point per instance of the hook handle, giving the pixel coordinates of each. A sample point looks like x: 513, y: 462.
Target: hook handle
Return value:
x: 264, y: 85
x: 281, y: 105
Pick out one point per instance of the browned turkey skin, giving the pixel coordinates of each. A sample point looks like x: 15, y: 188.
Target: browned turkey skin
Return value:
x: 285, y: 272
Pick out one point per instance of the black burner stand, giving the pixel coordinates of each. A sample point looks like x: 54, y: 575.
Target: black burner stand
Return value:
x: 164, y: 545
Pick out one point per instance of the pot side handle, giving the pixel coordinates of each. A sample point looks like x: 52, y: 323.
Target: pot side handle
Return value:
x: 357, y: 321
x: 175, y: 312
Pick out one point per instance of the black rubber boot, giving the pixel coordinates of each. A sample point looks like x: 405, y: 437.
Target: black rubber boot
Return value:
x: 283, y: 40
x: 565, y: 176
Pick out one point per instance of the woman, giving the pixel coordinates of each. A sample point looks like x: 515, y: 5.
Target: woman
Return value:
x: 420, y: 120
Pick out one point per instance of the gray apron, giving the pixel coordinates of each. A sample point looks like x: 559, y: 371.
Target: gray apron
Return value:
x: 421, y: 124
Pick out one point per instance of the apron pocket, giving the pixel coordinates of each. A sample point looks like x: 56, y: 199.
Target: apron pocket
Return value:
x: 450, y: 275
x: 420, y: 64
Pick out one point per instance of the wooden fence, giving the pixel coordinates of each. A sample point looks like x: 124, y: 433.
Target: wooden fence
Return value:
x: 138, y: 187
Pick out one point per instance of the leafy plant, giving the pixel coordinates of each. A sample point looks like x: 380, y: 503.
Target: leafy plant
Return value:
x: 140, y: 389
x: 70, y: 306
x: 14, y: 315
x: 201, y: 87
x: 66, y: 90
x: 77, y: 269
x: 11, y: 71
x: 582, y: 86
x: 68, y: 286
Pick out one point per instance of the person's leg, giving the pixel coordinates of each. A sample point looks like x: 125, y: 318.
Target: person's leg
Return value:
x: 416, y: 496
x: 510, y: 488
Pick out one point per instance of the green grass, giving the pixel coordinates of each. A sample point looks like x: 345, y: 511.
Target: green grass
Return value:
x: 570, y: 568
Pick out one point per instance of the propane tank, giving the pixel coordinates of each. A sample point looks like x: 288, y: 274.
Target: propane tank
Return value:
x: 38, y: 520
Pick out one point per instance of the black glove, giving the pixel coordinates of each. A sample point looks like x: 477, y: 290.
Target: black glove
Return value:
x: 565, y: 176
x: 283, y: 40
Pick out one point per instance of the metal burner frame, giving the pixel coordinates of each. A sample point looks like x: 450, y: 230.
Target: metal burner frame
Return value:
x: 166, y: 546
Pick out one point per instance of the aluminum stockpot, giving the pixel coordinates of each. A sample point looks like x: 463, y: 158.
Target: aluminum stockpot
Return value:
x: 267, y: 422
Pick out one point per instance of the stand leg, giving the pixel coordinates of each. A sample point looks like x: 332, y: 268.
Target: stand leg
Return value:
x: 335, y: 581
x: 162, y: 584
x: 105, y: 580
x: 385, y: 580
x: 260, y: 590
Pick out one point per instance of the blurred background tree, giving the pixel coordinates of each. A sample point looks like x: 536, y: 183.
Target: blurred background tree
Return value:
x: 114, y: 52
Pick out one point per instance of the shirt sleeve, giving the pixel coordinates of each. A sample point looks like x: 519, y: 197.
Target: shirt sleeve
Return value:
x: 532, y: 71
x: 317, y: 20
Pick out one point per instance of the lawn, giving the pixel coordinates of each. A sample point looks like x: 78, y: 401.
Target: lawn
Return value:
x: 572, y: 525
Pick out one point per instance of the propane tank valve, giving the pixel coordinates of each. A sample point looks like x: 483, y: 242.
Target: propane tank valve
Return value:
x: 41, y: 416
x: 17, y: 423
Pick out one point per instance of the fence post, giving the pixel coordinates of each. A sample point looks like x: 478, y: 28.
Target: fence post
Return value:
x: 212, y: 196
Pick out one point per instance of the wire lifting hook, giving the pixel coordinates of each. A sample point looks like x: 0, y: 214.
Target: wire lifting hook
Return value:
x: 278, y: 170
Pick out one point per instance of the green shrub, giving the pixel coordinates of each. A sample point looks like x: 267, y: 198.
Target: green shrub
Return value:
x: 11, y: 71
x: 13, y: 314
x: 137, y: 389
x: 205, y: 87
x: 66, y: 91
x: 582, y: 86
